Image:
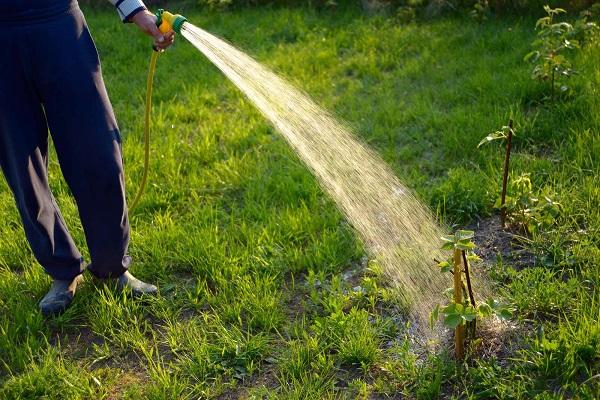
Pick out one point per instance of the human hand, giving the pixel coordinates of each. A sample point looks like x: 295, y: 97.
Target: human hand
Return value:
x: 146, y: 21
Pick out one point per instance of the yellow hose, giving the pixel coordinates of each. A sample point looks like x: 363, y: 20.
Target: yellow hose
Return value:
x: 148, y: 109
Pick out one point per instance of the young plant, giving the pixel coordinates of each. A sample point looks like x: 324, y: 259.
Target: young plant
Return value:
x: 530, y: 211
x: 585, y: 30
x: 462, y: 311
x: 555, y: 40
x: 480, y: 11
x: 505, y: 134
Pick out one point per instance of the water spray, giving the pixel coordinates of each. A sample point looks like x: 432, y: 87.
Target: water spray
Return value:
x: 398, y: 231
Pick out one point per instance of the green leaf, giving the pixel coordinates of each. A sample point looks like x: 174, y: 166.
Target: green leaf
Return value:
x: 447, y: 246
x: 498, y: 202
x: 464, y: 234
x: 492, y: 303
x: 469, y: 313
x: 485, y: 310
x: 549, y: 345
x: 448, y: 238
x: 465, y: 244
x: 473, y: 257
x: 445, y: 266
x: 498, y: 135
x: 544, y: 21
x: 453, y: 320
x: 504, y: 313
x: 501, y: 310
x: 453, y: 308
x: 532, y: 56
x: 434, y: 316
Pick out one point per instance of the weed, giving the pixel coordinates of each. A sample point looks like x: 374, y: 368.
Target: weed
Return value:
x: 530, y: 211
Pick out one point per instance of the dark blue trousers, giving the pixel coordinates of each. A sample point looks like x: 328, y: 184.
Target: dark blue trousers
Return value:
x: 50, y: 80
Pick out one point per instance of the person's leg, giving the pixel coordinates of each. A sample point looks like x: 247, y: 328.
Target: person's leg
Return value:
x: 86, y: 137
x: 24, y: 158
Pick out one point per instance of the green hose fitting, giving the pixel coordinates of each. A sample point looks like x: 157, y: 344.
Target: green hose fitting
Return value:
x: 167, y: 22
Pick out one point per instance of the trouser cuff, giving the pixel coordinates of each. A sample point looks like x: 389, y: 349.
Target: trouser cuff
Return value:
x: 67, y: 273
x: 108, y: 271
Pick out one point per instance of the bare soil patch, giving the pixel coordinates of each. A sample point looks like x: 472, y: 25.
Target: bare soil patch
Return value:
x: 493, y: 241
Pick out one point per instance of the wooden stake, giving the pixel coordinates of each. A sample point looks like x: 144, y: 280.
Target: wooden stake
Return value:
x: 505, y: 176
x: 459, y: 334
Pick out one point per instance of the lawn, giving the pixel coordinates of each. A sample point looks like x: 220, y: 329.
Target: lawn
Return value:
x: 266, y: 291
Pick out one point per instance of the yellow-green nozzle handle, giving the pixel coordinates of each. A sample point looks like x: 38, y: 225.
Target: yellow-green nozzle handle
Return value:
x: 168, y: 22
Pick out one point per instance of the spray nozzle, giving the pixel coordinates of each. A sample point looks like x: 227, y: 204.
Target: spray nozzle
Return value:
x: 167, y: 22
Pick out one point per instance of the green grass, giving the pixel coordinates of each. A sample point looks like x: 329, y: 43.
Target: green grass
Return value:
x: 252, y: 258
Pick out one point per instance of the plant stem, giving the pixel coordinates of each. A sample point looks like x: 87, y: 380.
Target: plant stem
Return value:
x: 505, y: 175
x: 464, y: 290
x: 468, y: 276
x: 472, y: 325
x: 552, y: 88
x: 459, y: 334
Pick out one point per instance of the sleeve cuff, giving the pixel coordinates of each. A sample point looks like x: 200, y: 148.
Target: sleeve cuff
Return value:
x: 128, y: 8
